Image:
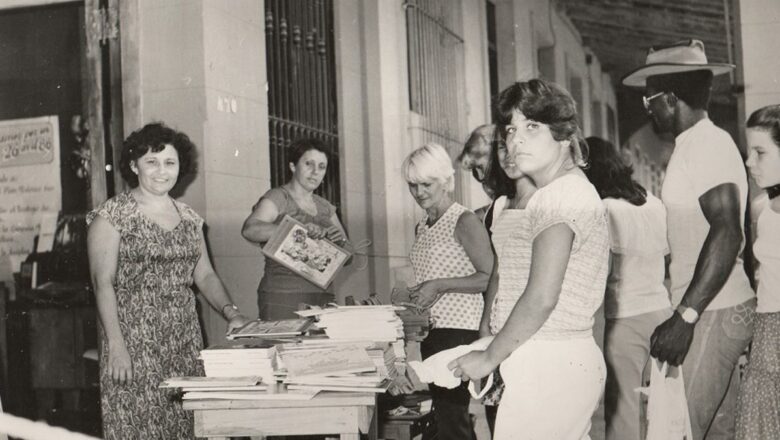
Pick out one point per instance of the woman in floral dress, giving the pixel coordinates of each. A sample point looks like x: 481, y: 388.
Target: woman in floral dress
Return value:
x: 146, y: 250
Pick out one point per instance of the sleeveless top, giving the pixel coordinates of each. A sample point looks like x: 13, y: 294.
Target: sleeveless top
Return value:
x: 436, y: 253
x: 277, y: 278
x: 514, y: 262
x: 573, y: 201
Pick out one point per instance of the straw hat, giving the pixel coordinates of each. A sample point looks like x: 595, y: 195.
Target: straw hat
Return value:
x: 683, y: 56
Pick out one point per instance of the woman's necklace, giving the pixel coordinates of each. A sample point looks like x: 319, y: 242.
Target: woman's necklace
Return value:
x: 773, y: 191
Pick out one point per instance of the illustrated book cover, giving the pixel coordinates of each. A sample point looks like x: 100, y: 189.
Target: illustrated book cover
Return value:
x: 315, y: 260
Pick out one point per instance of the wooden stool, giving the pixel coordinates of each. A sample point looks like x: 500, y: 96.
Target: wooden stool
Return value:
x: 407, y: 427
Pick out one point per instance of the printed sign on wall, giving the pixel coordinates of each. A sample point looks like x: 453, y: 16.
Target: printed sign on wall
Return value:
x: 27, y: 142
x: 30, y: 186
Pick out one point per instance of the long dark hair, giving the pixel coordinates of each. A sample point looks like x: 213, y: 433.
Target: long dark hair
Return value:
x: 611, y: 175
x: 496, y: 179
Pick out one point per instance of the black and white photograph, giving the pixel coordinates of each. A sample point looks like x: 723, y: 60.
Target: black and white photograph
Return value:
x: 526, y: 219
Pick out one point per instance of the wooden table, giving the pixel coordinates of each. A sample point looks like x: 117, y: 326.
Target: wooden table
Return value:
x: 328, y: 413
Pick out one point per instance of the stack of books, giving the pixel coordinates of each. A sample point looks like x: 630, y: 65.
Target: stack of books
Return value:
x: 231, y: 388
x: 241, y: 357
x: 337, y: 366
x: 365, y: 323
x: 368, y: 324
x: 416, y: 325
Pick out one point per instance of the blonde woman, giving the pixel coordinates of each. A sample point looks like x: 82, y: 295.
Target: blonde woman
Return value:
x: 452, y: 261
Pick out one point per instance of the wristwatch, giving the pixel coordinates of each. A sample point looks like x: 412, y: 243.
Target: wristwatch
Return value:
x: 688, y: 314
x: 229, y: 305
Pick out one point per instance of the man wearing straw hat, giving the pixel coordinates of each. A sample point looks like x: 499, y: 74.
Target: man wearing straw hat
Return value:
x: 705, y: 194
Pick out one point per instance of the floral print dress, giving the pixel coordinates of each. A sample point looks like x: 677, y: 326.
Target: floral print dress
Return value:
x: 157, y: 318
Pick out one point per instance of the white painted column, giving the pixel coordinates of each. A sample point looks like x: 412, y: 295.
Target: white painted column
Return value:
x: 760, y: 28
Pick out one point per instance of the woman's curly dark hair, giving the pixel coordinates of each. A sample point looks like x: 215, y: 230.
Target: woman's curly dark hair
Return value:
x: 155, y: 136
x: 611, y: 175
x: 299, y: 147
x: 544, y: 102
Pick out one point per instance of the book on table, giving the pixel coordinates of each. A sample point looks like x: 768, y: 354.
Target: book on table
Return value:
x: 300, y: 394
x: 277, y: 328
x: 317, y: 361
x: 209, y: 382
x: 381, y: 387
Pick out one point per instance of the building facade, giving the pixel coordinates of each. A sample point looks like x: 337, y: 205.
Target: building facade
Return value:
x: 399, y: 74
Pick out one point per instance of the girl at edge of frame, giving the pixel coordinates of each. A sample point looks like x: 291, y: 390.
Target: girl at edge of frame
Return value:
x: 758, y: 404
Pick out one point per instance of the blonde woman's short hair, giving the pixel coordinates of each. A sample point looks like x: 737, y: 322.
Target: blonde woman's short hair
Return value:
x: 429, y: 162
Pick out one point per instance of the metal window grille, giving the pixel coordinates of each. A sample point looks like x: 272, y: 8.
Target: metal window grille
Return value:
x: 436, y: 78
x: 492, y: 43
x: 300, y: 59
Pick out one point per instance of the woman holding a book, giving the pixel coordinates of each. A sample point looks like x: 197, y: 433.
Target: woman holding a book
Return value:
x: 281, y: 290
x: 145, y: 252
x: 452, y: 261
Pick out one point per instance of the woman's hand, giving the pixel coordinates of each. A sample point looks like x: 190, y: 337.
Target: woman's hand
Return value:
x: 120, y: 366
x: 237, y: 321
x: 401, y: 384
x: 335, y: 234
x: 315, y: 231
x: 425, y: 294
x: 473, y: 365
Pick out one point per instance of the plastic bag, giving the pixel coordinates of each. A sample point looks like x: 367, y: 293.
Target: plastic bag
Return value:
x: 667, y: 407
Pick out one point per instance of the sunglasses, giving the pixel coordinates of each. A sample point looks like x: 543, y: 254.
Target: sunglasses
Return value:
x: 646, y: 100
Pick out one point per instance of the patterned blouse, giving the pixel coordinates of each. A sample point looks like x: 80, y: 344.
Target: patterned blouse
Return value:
x: 436, y: 253
x: 573, y: 201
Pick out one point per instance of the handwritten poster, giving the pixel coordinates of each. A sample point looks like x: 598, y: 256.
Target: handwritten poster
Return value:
x: 30, y: 187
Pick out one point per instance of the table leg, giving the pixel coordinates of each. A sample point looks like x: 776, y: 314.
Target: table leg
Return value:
x: 373, y: 433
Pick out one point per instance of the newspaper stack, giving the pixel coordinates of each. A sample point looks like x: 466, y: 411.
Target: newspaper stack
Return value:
x: 359, y: 323
x: 241, y: 357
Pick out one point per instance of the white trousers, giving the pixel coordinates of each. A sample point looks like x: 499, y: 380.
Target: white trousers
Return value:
x: 552, y: 390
